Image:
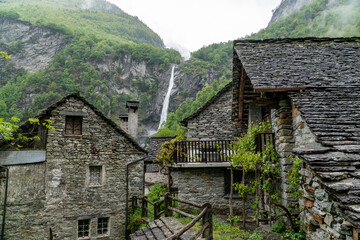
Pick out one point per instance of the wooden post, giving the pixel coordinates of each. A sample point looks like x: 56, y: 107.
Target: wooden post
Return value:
x: 207, y: 218
x: 144, y: 212
x: 133, y: 204
x: 243, y: 200
x: 231, y: 196
x: 51, y: 237
x: 257, y: 196
x: 167, y: 203
x: 156, y: 210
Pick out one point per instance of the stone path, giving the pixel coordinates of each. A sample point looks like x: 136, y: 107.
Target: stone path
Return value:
x: 161, y: 229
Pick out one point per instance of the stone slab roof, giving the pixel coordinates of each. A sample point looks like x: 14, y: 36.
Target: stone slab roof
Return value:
x: 22, y: 157
x: 303, y: 62
x: 327, y: 72
x: 207, y: 104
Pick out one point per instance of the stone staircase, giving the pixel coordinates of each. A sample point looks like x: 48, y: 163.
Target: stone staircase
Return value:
x: 162, y: 228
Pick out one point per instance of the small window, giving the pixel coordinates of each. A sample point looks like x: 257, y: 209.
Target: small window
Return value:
x: 227, y: 182
x: 95, y: 175
x: 84, y: 228
x: 73, y: 125
x: 103, y: 226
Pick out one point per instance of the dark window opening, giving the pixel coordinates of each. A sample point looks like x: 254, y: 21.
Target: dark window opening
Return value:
x: 95, y: 175
x: 103, y: 226
x: 84, y: 228
x: 73, y: 125
x: 227, y: 182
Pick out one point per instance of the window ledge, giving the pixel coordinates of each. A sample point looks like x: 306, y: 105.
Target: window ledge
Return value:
x: 73, y: 136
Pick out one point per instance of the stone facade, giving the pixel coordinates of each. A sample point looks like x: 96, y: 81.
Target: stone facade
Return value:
x: 213, y: 120
x: 323, y: 217
x: 206, y: 184
x: 58, y: 193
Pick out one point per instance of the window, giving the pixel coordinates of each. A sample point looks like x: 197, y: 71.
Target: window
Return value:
x: 96, y: 173
x: 84, y: 228
x: 227, y: 182
x: 73, y: 125
x: 103, y: 226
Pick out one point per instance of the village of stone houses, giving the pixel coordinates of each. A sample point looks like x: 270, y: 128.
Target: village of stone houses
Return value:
x: 274, y: 154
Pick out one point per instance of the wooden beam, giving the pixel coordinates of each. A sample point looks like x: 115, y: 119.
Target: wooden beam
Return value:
x: 241, y: 93
x: 296, y: 89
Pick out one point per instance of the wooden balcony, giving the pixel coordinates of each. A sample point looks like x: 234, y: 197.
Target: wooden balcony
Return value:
x: 214, y: 151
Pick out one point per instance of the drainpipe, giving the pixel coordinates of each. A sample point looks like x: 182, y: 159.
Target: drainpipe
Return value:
x: 5, y: 199
x: 127, y: 195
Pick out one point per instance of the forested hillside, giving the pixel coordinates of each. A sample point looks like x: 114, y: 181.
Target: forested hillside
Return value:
x: 107, y: 55
x: 110, y: 57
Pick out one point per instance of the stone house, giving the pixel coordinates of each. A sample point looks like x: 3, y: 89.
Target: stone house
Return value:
x: 310, y: 87
x: 204, y: 174
x: 75, y: 180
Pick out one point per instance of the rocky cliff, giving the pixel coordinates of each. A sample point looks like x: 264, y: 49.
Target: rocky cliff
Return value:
x: 286, y: 7
x: 31, y: 48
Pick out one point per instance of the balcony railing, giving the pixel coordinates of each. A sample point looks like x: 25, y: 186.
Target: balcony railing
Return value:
x: 213, y: 151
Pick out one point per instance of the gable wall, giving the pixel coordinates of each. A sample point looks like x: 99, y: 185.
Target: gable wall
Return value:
x: 214, y: 122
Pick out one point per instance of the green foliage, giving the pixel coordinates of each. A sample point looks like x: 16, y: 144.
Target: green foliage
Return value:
x: 73, y: 18
x: 318, y: 19
x: 156, y: 191
x: 136, y: 221
x: 248, y: 158
x: 167, y: 152
x: 4, y: 55
x: 233, y: 232
x: 294, y: 177
x: 279, y: 226
x: 9, y: 15
x: 8, y: 130
x: 257, y: 235
x: 294, y: 235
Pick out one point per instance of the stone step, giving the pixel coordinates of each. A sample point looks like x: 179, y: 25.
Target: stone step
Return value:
x: 161, y: 229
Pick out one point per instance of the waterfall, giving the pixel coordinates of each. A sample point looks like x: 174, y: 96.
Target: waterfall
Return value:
x: 165, y: 107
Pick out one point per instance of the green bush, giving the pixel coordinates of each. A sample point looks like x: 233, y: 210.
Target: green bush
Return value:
x: 279, y: 226
x: 156, y: 192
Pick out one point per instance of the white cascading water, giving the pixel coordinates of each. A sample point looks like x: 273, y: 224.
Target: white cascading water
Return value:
x: 165, y: 107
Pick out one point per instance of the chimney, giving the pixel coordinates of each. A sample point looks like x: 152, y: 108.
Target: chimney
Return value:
x: 124, y: 119
x: 132, y: 125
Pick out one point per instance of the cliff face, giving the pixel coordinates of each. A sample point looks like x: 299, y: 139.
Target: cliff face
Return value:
x: 286, y: 7
x: 31, y: 48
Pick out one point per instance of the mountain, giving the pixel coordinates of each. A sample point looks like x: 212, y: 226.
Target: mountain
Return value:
x: 320, y: 18
x: 59, y: 47
x: 286, y: 7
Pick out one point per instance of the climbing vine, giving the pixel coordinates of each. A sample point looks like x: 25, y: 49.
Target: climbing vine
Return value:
x: 265, y: 164
x: 166, y: 157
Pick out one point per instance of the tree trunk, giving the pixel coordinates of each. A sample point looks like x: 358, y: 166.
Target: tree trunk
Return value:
x: 231, y: 196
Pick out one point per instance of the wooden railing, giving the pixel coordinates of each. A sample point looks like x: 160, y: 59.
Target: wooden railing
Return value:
x: 202, y: 151
x: 205, y: 214
x: 213, y: 151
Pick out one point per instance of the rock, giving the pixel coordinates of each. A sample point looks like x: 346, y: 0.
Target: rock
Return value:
x: 328, y: 219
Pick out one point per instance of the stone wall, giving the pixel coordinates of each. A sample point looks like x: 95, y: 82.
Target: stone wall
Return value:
x: 213, y: 123
x: 204, y: 185
x: 68, y: 196
x: 25, y: 201
x: 322, y: 216
x: 281, y: 120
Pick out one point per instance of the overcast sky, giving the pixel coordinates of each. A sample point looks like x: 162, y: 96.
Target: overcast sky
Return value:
x: 193, y: 24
